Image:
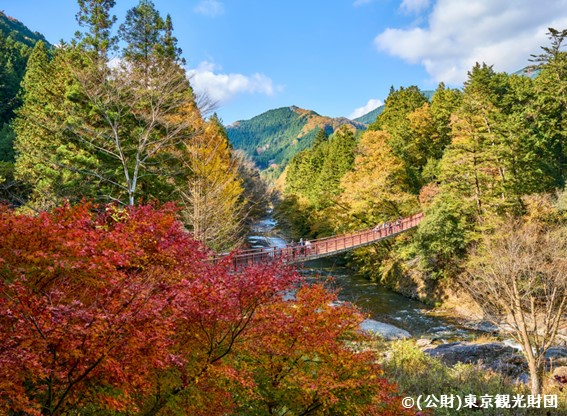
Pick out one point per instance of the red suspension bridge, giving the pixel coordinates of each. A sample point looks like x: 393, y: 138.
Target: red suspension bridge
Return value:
x: 328, y: 246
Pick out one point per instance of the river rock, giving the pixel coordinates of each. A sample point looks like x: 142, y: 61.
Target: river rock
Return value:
x: 556, y: 356
x: 554, y: 353
x: 464, y: 352
x: 483, y: 326
x: 423, y: 342
x: 386, y: 331
x: 492, y: 355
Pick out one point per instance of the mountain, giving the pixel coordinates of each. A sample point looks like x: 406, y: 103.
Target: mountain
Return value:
x: 274, y: 137
x: 370, y: 117
x: 530, y: 71
x: 19, y: 32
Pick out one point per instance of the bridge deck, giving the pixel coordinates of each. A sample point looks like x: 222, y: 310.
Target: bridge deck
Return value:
x: 325, y: 247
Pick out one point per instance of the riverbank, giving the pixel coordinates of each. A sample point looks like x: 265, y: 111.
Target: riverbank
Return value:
x: 448, y: 333
x: 449, y: 329
x: 422, y: 374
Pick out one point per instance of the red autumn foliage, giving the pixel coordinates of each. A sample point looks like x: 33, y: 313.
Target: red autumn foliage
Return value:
x: 105, y: 309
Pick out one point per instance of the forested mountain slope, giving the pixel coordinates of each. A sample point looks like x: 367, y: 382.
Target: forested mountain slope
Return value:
x: 19, y: 32
x: 16, y: 44
x: 371, y: 116
x: 274, y: 137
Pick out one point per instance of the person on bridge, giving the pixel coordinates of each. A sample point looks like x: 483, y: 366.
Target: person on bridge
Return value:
x: 378, y: 229
x: 293, y: 248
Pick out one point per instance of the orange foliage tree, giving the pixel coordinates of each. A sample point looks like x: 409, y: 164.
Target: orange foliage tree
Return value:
x: 300, y: 354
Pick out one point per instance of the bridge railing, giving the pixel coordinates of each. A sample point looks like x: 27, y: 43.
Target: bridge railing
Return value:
x: 326, y: 245
x: 337, y: 243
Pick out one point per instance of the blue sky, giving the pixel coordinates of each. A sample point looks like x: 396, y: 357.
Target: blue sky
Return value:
x: 336, y: 57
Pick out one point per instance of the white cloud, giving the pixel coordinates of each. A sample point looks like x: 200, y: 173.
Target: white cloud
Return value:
x: 211, y: 8
x: 414, y: 6
x: 221, y: 88
x: 358, y: 3
x: 365, y: 109
x: 459, y: 33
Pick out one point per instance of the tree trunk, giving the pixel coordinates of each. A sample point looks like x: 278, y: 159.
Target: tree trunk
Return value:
x: 535, y: 377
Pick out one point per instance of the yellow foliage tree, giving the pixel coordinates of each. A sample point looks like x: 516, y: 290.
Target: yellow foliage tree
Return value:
x: 212, y: 197
x: 377, y: 188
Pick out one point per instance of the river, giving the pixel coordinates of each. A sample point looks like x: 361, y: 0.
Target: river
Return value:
x: 379, y: 303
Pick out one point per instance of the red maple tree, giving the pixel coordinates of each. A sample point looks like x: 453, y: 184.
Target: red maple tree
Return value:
x: 119, y: 309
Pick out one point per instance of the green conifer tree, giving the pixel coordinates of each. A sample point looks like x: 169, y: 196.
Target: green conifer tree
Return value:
x: 95, y: 16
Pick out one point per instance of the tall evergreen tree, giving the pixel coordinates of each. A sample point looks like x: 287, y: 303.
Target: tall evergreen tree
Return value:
x: 13, y: 60
x: 170, y: 48
x: 338, y: 160
x: 7, y: 137
x: 95, y: 16
x: 46, y: 160
x: 142, y: 31
x: 8, y: 82
x: 320, y: 138
x: 550, y: 109
x: 444, y: 102
x: 474, y: 164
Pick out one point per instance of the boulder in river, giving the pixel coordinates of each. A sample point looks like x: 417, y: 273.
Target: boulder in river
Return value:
x: 386, y: 331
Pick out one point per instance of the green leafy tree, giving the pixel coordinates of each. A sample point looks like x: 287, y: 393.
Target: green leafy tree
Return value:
x: 320, y: 138
x: 8, y: 82
x: 500, y: 152
x: 7, y: 137
x: 474, y: 165
x: 444, y: 236
x: 313, y: 183
x: 496, y: 156
x: 16, y: 43
x: 444, y: 103
x: 304, y: 170
x: 531, y: 154
x: 13, y: 60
